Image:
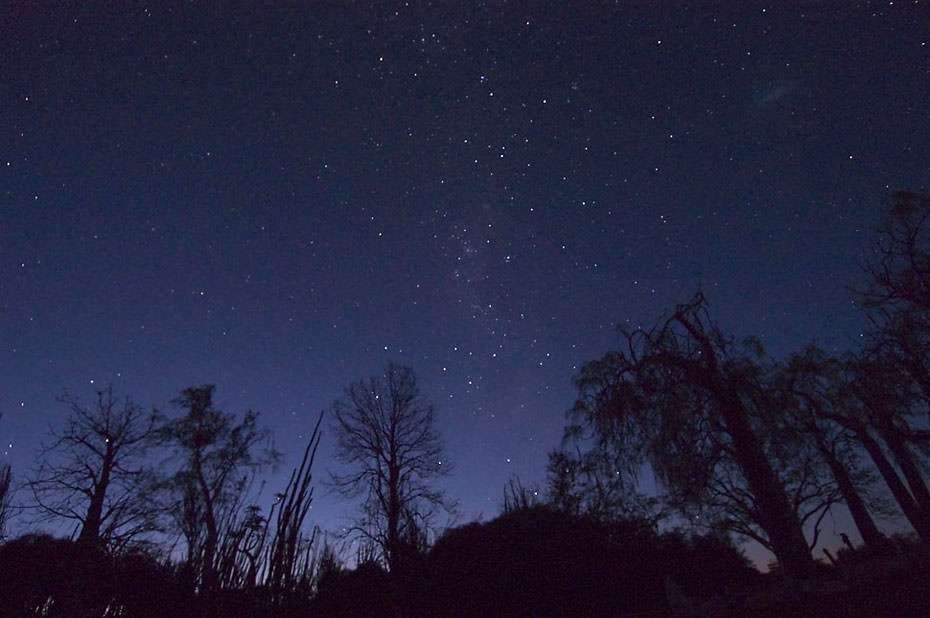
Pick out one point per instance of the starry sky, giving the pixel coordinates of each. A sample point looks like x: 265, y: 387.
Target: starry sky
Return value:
x: 280, y: 200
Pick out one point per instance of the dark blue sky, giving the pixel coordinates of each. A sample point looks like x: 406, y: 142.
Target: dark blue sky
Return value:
x: 279, y: 200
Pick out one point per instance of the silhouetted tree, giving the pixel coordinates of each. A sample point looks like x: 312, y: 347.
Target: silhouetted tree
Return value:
x: 890, y: 378
x: 710, y: 489
x: 897, y: 296
x: 860, y: 395
x: 6, y: 477
x: 94, y: 472
x: 808, y: 382
x: 901, y: 338
x: 217, y: 456
x: 387, y: 439
x: 899, y: 267
x: 884, y: 400
x: 563, y: 472
x: 684, y: 398
x: 593, y: 482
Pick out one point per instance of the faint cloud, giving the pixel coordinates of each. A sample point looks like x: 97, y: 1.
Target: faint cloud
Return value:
x: 773, y: 92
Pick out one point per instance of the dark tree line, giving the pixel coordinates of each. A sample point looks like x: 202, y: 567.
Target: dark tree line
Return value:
x: 164, y: 513
x: 129, y: 482
x: 766, y: 448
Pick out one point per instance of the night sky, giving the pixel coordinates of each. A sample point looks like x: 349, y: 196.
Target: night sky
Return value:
x: 281, y: 200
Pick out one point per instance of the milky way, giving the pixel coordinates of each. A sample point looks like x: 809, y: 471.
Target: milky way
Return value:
x: 280, y: 201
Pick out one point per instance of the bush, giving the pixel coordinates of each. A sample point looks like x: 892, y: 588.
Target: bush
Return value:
x: 540, y: 561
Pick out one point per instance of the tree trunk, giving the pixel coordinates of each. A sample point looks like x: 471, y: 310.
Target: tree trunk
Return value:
x: 209, y: 579
x: 393, y: 518
x: 869, y: 532
x: 915, y: 366
x: 905, y: 500
x: 905, y: 460
x: 776, y: 516
x: 90, y: 530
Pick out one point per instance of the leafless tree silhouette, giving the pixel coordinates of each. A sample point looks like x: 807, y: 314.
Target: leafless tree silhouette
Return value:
x: 386, y: 438
x: 94, y: 471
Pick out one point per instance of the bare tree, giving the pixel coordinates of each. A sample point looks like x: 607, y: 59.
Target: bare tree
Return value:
x: 218, y: 456
x: 899, y: 267
x: 94, y: 471
x: 901, y: 338
x: 897, y: 295
x: 387, y: 439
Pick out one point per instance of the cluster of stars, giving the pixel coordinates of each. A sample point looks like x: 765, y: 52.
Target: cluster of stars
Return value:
x: 480, y: 193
